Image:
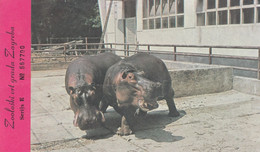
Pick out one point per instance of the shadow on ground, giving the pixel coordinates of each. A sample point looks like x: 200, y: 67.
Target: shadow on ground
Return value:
x: 151, y: 126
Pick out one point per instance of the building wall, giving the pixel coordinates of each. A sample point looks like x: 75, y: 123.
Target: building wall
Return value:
x: 190, y: 34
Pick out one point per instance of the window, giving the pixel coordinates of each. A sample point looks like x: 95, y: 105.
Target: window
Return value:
x: 151, y: 23
x: 212, y: 18
x: 248, y: 2
x: 180, y: 6
x: 222, y: 17
x: 180, y: 21
x: 157, y: 7
x: 165, y: 22
x: 151, y: 8
x: 172, y: 6
x: 258, y: 15
x: 248, y: 15
x: 222, y: 3
x: 211, y: 4
x: 200, y: 5
x: 145, y: 24
x: 234, y: 2
x: 223, y: 12
x: 158, y: 23
x: 235, y: 16
x: 145, y: 11
x: 165, y: 7
x: 160, y: 14
x: 201, y: 19
x: 172, y: 21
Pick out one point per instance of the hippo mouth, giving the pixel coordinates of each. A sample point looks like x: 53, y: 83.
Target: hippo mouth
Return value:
x: 86, y: 125
x: 147, y: 106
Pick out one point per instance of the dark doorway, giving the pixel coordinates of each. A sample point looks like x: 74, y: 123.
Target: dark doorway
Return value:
x: 130, y: 8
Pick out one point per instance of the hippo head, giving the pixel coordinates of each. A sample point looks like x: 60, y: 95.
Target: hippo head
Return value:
x: 84, y: 103
x: 132, y: 88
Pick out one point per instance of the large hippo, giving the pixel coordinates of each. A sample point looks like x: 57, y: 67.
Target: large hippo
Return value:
x: 134, y: 85
x: 84, y: 81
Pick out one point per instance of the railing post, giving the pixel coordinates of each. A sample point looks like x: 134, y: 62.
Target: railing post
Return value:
x: 65, y: 53
x: 127, y: 49
x: 76, y: 52
x: 86, y: 41
x: 210, y: 55
x: 86, y: 48
x: 174, y: 53
x: 111, y: 47
x: 148, y: 49
x: 137, y: 47
x: 258, y: 75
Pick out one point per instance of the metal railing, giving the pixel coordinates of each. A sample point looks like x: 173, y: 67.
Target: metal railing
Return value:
x: 66, y: 53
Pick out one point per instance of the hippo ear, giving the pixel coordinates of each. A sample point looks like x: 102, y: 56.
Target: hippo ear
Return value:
x: 126, y: 72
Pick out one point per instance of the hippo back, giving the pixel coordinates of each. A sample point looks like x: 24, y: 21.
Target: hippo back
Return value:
x: 154, y: 69
x: 95, y: 65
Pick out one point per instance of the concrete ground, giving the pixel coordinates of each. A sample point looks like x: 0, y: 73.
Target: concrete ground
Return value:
x: 228, y: 121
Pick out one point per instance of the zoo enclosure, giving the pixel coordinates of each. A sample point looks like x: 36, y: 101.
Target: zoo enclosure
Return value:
x: 65, y: 53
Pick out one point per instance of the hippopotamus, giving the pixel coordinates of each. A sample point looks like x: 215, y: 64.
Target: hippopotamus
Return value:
x: 134, y: 85
x: 84, y: 84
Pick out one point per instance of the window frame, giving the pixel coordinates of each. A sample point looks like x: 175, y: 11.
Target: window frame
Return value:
x: 228, y: 8
x: 162, y: 14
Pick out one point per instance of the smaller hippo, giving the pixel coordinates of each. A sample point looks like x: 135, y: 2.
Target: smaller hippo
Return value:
x: 84, y: 84
x: 134, y: 85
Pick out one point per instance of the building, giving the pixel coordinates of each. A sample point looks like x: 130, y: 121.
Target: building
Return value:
x: 185, y: 22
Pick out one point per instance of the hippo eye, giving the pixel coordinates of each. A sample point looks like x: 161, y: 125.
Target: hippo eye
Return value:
x: 124, y: 75
x: 93, y: 85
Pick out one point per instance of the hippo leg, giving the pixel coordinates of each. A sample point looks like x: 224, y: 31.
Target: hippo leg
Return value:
x: 140, y: 113
x: 127, y: 120
x: 171, y: 105
x: 103, y: 106
x: 124, y: 130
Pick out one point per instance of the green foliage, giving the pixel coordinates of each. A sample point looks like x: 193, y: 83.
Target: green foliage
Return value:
x: 64, y: 18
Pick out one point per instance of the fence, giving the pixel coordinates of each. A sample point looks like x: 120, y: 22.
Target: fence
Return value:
x: 55, y: 40
x: 66, y: 54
